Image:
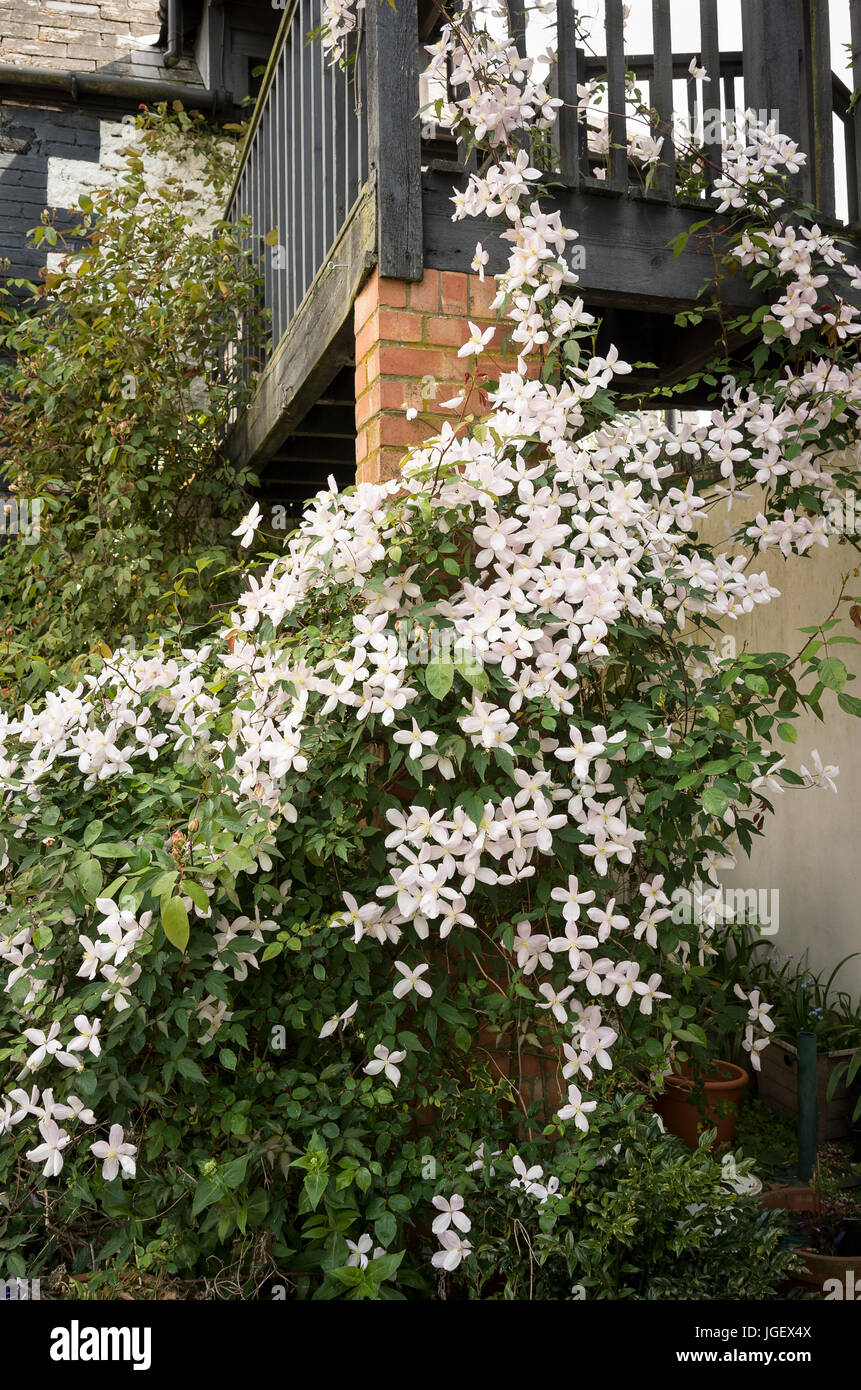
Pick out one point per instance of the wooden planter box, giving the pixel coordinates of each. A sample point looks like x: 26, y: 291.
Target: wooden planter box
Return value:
x: 777, y: 1084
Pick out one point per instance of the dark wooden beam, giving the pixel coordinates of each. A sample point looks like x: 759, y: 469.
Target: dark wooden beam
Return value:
x: 394, y: 135
x: 625, y: 241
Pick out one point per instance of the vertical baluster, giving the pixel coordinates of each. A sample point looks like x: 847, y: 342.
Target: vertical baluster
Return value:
x: 329, y: 192
x: 582, y: 126
x: 295, y: 157
x: 305, y: 141
x: 566, y: 68
x: 774, y: 80
x: 341, y: 120
x: 318, y: 155
x: 283, y: 226
x: 710, y: 60
x: 729, y: 100
x: 257, y: 222
x: 349, y: 143
x: 270, y: 116
x: 266, y: 170
x: 662, y: 95
x: 613, y: 22
x: 322, y: 139
x: 691, y: 94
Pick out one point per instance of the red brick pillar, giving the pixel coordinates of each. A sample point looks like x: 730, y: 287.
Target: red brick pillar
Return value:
x: 407, y: 337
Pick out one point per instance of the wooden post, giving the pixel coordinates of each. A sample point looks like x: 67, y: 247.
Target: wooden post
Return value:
x: 517, y: 24
x: 773, y: 42
x: 820, y: 149
x: 394, y: 135
x: 617, y: 176
x: 710, y: 60
x: 854, y: 118
x: 662, y: 96
x: 566, y: 75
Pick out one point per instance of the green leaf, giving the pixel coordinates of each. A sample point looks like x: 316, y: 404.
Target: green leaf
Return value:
x: 715, y: 801
x: 234, y: 1173
x: 473, y: 805
x: 384, y: 1266
x: 315, y: 1185
x: 788, y: 732
x: 386, y: 1228
x: 757, y: 684
x: 471, y: 670
x: 89, y: 876
x: 850, y: 704
x: 832, y: 673
x: 190, y: 1070
x: 439, y: 676
x: 197, y: 895
x: 205, y: 1195
x: 174, y: 921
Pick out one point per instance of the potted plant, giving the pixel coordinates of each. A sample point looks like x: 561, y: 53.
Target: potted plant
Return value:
x: 704, y: 1089
x: 803, y: 1000
x: 830, y: 1244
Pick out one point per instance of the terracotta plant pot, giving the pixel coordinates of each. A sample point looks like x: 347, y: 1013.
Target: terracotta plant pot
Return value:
x: 536, y: 1075
x: 718, y: 1095
x: 818, y: 1268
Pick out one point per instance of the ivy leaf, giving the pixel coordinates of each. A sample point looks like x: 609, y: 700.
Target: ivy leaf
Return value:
x: 174, y: 921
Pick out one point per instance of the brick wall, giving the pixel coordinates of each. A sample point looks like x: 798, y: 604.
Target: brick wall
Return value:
x: 407, y: 338
x: 52, y: 151
x: 81, y: 35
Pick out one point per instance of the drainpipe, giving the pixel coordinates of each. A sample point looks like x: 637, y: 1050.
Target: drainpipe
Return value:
x: 808, y: 1120
x: 173, y: 52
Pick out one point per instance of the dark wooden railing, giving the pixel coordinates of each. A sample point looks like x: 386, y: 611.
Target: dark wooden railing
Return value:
x: 783, y: 67
x: 304, y: 164
x: 336, y: 175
